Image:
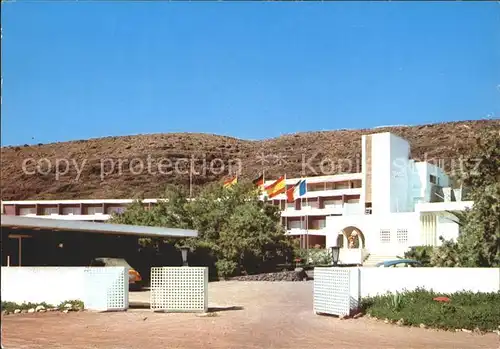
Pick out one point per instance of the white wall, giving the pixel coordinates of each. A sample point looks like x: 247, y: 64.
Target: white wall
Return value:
x: 447, y: 228
x: 381, y: 173
x: 370, y: 226
x: 399, y: 160
x: 54, y: 285
x: 375, y: 281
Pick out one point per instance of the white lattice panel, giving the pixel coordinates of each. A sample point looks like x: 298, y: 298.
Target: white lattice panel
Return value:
x: 179, y: 289
x: 106, y: 288
x: 332, y: 291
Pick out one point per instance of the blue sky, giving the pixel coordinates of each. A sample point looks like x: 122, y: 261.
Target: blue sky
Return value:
x: 77, y: 70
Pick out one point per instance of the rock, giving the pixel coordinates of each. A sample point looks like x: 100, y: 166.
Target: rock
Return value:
x: 17, y: 311
x: 357, y: 316
x: 65, y: 311
x: 24, y: 311
x: 466, y: 330
x: 280, y: 276
x: 400, y: 322
x: 457, y: 330
x: 386, y: 321
x: 40, y: 307
x: 42, y: 310
x: 32, y: 310
x: 423, y: 326
x: 477, y: 331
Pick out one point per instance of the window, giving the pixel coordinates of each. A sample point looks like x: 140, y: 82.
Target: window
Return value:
x: 47, y: 211
x: 332, y: 203
x: 310, y: 204
x: 23, y: 211
x: 94, y: 210
x: 433, y: 179
x: 294, y: 225
x: 342, y: 185
x: 385, y: 236
x: 70, y: 210
x: 115, y: 209
x: 402, y: 236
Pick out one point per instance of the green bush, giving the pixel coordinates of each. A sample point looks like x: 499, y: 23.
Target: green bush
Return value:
x: 226, y: 268
x: 317, y: 256
x: 465, y: 310
x: 422, y: 254
x: 11, y: 306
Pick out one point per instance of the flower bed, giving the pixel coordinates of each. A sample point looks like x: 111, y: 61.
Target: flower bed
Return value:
x: 462, y: 310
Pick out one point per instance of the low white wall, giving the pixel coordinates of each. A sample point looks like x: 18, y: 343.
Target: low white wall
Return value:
x: 54, y: 285
x: 375, y: 281
x: 351, y: 256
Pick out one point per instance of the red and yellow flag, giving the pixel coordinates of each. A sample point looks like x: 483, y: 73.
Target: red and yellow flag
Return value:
x: 278, y: 187
x: 230, y: 182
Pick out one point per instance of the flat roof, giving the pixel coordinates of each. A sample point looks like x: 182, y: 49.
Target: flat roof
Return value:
x: 91, y: 227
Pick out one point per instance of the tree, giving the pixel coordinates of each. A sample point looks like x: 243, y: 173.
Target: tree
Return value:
x: 236, y: 231
x: 478, y: 244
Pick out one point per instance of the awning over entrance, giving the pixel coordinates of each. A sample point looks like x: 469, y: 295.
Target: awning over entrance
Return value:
x: 16, y: 222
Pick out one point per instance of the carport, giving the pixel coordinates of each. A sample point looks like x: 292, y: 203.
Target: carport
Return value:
x: 49, y: 233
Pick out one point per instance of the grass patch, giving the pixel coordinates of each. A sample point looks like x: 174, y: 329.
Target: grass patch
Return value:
x: 465, y: 310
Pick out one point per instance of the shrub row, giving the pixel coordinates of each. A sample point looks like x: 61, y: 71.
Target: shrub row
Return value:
x: 464, y: 310
x: 12, y: 306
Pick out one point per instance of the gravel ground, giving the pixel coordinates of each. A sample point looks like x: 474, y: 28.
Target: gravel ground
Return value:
x: 246, y: 315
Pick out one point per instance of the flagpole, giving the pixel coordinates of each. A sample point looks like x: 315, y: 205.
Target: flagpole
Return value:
x: 286, y: 206
x: 307, y: 230
x: 301, y: 223
x: 191, y: 179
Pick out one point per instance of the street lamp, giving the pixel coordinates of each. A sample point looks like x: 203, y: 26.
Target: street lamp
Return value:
x: 335, y: 254
x: 184, y: 253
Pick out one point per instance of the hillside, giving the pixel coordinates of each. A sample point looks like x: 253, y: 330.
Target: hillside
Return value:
x: 101, y: 176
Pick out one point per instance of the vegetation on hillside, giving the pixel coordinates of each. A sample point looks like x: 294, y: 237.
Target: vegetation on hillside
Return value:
x: 143, y: 165
x: 478, y: 244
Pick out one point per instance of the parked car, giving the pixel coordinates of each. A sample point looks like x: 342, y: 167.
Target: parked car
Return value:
x: 134, y: 278
x: 399, y: 263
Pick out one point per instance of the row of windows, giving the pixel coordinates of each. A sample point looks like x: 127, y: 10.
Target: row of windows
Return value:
x: 91, y: 210
x: 401, y: 236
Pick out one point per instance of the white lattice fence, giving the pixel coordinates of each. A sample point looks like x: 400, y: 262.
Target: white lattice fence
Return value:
x: 179, y: 289
x: 336, y: 290
x: 106, y: 288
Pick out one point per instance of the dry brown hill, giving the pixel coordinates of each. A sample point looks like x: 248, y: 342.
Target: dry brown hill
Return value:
x: 111, y: 167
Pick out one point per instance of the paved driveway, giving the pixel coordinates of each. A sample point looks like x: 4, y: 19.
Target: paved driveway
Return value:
x: 263, y: 315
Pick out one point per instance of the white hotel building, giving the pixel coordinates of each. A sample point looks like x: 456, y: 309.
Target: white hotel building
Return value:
x: 392, y: 204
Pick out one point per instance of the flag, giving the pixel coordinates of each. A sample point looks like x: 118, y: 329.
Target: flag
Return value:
x: 230, y: 182
x: 278, y: 187
x: 296, y: 191
x: 259, y: 181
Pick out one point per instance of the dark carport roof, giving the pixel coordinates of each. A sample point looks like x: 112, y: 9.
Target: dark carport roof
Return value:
x: 19, y: 222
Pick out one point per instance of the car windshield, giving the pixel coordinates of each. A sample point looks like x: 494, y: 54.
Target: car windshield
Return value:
x: 111, y: 262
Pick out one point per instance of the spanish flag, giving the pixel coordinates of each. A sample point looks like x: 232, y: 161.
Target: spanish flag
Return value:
x: 230, y: 182
x: 278, y: 187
